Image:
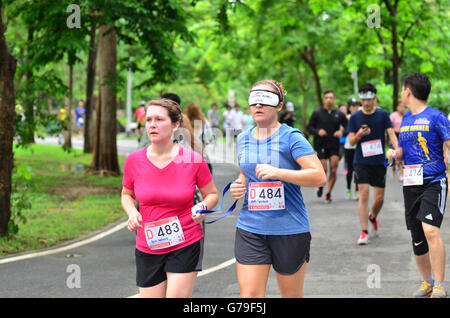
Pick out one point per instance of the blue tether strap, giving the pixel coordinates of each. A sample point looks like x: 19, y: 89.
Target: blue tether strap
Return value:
x: 389, y: 164
x: 231, y: 209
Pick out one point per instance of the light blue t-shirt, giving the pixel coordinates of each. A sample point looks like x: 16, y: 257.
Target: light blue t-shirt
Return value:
x: 280, y: 150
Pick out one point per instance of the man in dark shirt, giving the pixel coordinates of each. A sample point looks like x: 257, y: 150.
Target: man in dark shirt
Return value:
x: 367, y: 129
x: 327, y: 124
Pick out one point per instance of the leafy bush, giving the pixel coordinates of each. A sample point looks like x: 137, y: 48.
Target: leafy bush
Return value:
x: 20, y: 201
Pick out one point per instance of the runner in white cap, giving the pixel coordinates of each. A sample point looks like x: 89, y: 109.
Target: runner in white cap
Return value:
x: 367, y: 129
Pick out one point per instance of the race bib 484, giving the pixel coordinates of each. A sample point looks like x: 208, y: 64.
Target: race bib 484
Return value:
x: 266, y: 196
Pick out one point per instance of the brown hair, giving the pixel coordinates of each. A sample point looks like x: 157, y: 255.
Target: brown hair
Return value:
x: 279, y: 88
x: 193, y: 112
x: 173, y: 109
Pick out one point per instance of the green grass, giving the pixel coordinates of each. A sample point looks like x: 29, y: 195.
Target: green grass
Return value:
x: 68, y: 201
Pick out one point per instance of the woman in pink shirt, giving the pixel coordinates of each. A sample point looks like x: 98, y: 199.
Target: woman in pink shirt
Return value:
x: 163, y: 177
x: 396, y: 119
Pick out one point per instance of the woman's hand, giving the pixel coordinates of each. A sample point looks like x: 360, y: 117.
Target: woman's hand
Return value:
x: 265, y: 171
x: 134, y: 221
x: 198, y: 217
x: 238, y: 189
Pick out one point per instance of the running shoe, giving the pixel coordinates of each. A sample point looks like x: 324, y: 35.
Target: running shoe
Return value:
x: 356, y: 196
x: 348, y: 195
x: 424, y: 290
x: 328, y: 197
x: 319, y: 192
x: 438, y: 292
x: 374, y: 223
x: 363, y: 238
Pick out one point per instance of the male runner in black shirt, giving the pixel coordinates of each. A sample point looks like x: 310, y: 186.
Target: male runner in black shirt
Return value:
x: 327, y: 124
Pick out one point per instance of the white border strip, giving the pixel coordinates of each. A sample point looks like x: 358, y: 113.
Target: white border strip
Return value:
x: 65, y: 248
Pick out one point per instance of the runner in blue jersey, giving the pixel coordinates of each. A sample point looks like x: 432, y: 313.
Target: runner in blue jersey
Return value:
x: 273, y: 226
x: 423, y: 135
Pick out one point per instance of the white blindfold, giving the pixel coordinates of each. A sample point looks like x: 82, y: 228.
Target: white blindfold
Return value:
x: 263, y: 98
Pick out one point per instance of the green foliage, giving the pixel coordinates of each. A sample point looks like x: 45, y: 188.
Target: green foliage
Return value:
x: 22, y: 186
x: 202, y: 49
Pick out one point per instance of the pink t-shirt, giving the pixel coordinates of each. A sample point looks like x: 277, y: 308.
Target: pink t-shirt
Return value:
x: 166, y: 192
x: 396, y: 119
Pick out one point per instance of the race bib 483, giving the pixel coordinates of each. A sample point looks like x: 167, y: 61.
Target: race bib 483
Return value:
x: 163, y: 233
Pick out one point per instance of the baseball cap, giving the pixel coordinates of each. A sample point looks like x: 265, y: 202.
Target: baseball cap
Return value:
x: 352, y: 101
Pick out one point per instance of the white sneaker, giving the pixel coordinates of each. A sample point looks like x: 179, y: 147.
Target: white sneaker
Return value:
x: 363, y: 238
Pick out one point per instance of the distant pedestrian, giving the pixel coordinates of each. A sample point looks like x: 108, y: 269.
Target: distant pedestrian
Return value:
x: 349, y: 154
x: 202, y: 129
x: 139, y: 118
x: 228, y: 130
x: 327, y: 124
x: 80, y: 112
x: 213, y: 116
x: 273, y: 227
x: 343, y: 138
x: 396, y: 119
x: 248, y: 120
x: 163, y: 177
x: 288, y: 116
x: 236, y: 120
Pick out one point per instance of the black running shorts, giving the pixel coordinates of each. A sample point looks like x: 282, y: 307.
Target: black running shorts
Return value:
x: 325, y: 152
x: 425, y: 203
x: 151, y: 269
x: 286, y: 253
x: 372, y: 175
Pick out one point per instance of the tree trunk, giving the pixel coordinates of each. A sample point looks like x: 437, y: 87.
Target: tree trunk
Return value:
x: 304, y: 88
x: 30, y: 124
x: 308, y: 56
x: 395, y: 66
x: 104, y: 159
x: 395, y: 56
x: 90, y: 83
x: 7, y: 113
x: 68, y: 132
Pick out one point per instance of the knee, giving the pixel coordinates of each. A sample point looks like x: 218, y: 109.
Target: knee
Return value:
x: 431, y: 233
x: 363, y: 195
x: 418, y: 240
x: 333, y: 171
x: 252, y: 294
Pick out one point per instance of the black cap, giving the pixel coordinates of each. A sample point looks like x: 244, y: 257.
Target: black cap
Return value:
x: 352, y: 101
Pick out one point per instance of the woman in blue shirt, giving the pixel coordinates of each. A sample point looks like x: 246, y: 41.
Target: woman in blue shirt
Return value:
x: 273, y: 226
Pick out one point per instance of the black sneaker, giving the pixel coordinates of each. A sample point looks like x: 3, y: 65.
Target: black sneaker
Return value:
x: 319, y: 192
x: 328, y: 197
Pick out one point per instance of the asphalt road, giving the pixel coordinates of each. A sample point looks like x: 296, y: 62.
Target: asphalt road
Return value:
x: 338, y: 267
